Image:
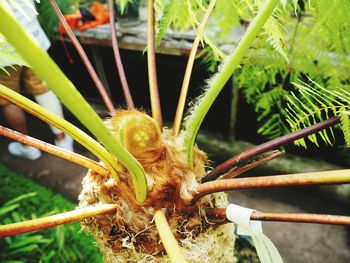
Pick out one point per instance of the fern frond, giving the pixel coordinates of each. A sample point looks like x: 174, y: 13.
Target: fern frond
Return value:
x: 208, y: 59
x: 192, y: 16
x: 168, y: 12
x: 275, y: 30
x: 226, y: 15
x: 254, y: 79
x: 315, y: 42
x: 178, y: 14
x: 345, y: 124
x: 266, y: 100
x: 314, y: 103
x: 122, y: 4
x: 333, y: 19
x: 273, y: 126
x: 218, y: 54
x: 183, y: 15
x: 8, y: 55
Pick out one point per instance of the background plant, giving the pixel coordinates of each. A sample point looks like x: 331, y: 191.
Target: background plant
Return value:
x: 63, y: 244
x: 303, y: 39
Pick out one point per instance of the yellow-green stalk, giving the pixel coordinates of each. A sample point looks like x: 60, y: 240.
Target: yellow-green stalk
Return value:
x: 215, y: 85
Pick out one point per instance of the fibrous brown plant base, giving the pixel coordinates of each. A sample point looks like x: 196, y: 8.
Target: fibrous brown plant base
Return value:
x: 130, y: 234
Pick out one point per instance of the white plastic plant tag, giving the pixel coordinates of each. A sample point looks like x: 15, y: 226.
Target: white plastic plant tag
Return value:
x: 266, y: 250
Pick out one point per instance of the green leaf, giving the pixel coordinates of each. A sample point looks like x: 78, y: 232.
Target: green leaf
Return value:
x: 19, y: 198
x: 9, y: 56
x: 60, y: 236
x: 274, y: 29
x: 345, y: 124
x: 47, y: 257
x: 167, y: 17
x: 122, y: 4
x: 314, y: 104
x: 16, y: 217
x: 24, y: 249
x: 24, y: 241
x: 6, y: 209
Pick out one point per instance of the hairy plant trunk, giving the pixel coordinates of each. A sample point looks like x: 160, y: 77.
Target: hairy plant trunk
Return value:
x: 130, y: 234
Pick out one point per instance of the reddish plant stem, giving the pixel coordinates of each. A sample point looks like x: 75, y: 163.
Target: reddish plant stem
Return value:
x: 239, y: 170
x: 152, y: 68
x: 327, y: 177
x: 219, y: 214
x: 55, y: 220
x: 117, y: 58
x: 84, y: 57
x: 62, y: 153
x: 235, y: 160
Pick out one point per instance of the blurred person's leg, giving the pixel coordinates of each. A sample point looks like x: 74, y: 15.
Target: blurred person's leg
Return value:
x: 46, y: 98
x: 15, y: 116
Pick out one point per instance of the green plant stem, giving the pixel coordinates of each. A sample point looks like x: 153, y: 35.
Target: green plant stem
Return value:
x: 327, y: 177
x: 224, y: 74
x: 219, y: 214
x: 55, y: 220
x: 54, y: 120
x: 189, y: 67
x: 48, y: 71
x: 52, y: 149
x: 84, y: 57
x: 118, y: 59
x: 152, y: 68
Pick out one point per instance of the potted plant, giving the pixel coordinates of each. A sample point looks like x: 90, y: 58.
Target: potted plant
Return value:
x: 151, y: 191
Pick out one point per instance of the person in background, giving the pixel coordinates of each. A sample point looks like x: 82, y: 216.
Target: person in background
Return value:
x: 14, y: 115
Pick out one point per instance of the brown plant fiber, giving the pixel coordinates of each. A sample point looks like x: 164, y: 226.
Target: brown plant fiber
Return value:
x: 130, y: 234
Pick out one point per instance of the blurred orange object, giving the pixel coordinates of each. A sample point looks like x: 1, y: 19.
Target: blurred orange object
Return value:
x: 72, y: 20
x: 100, y: 12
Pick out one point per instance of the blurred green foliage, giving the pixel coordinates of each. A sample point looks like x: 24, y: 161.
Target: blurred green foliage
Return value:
x: 60, y: 244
